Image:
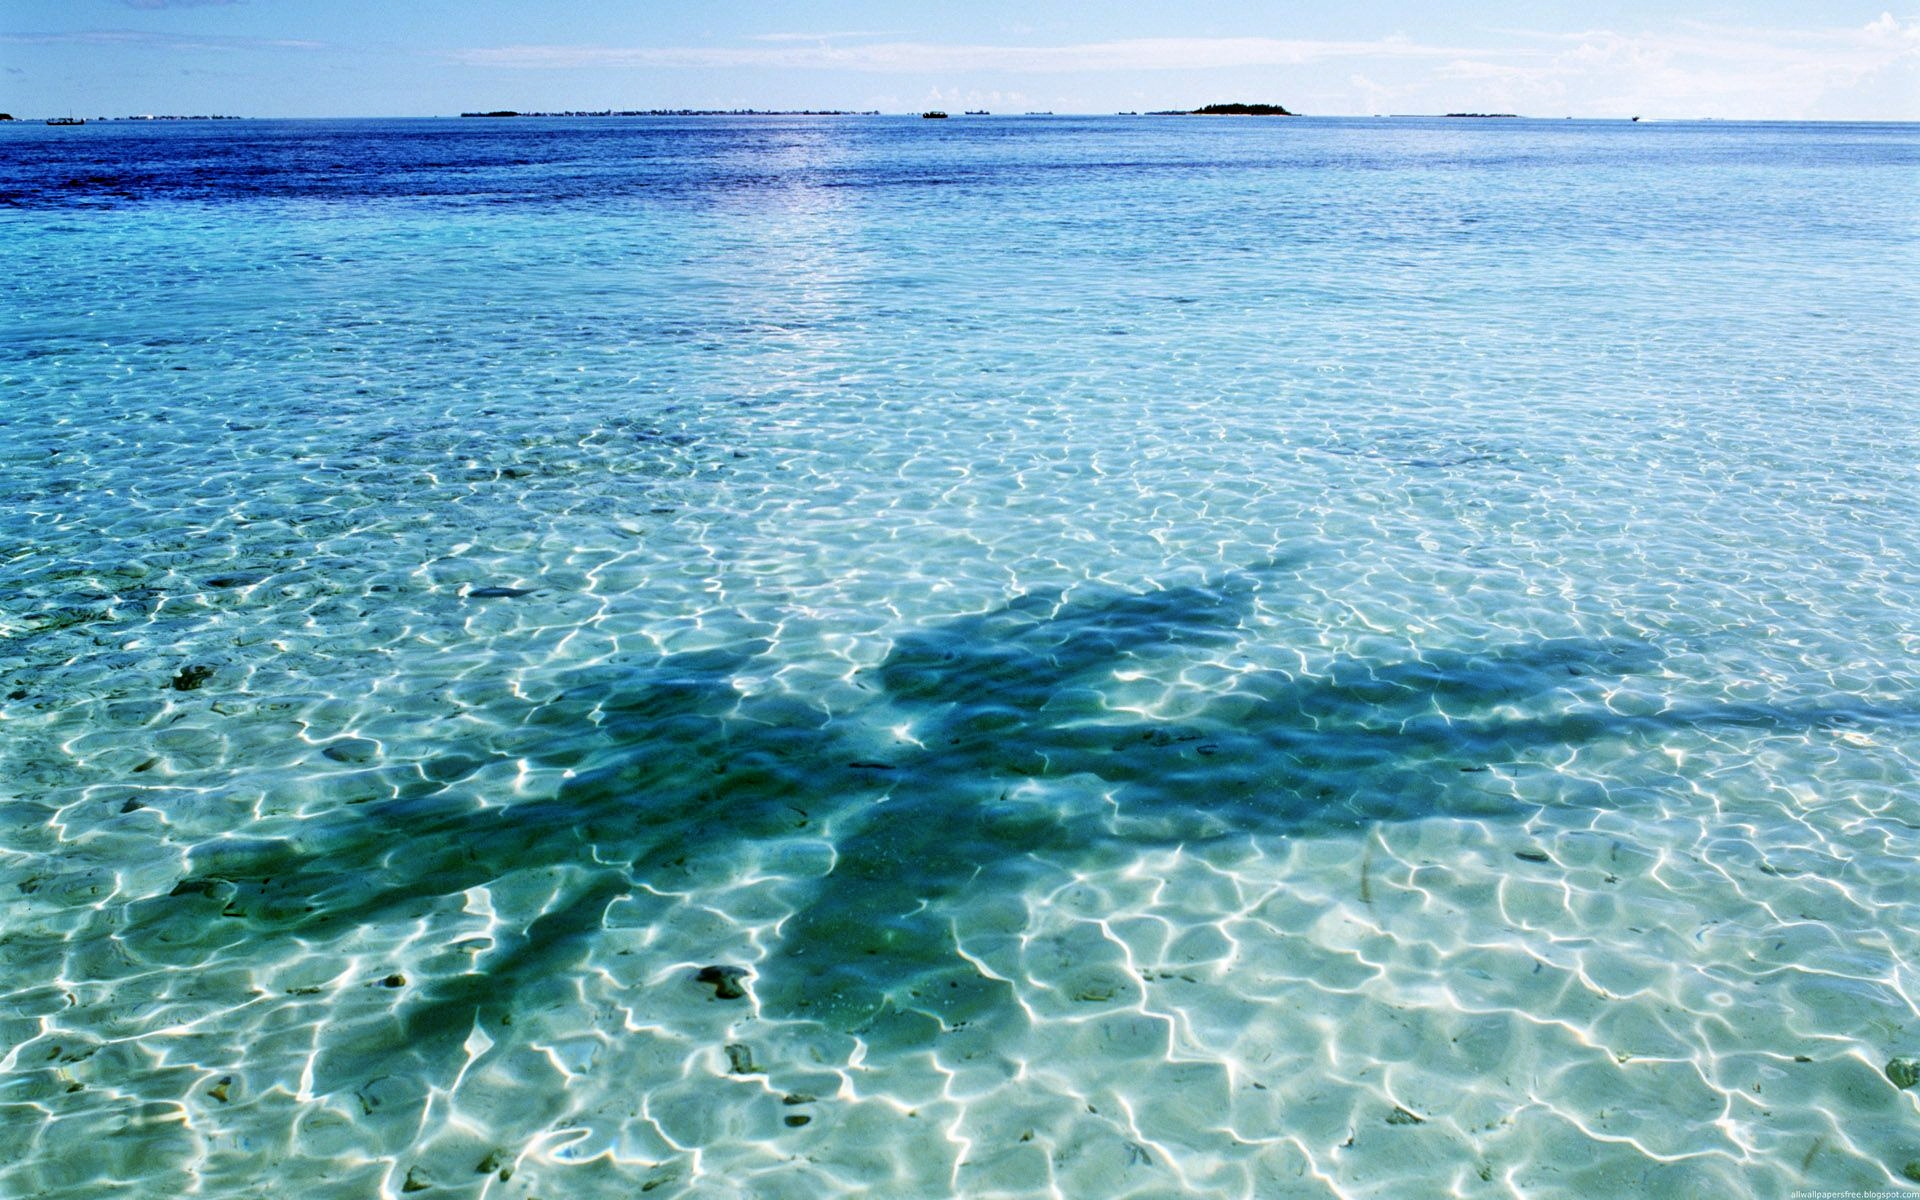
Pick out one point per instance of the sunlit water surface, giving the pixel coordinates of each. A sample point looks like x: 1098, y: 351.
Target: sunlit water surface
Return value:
x: 999, y: 657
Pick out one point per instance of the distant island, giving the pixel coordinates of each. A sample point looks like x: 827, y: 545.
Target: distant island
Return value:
x: 682, y: 112
x: 1480, y: 115
x: 1241, y: 110
x: 140, y: 117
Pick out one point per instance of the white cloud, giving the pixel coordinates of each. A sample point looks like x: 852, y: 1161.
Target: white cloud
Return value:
x: 814, y: 37
x: 1682, y: 69
x: 162, y: 41
x: 1697, y: 69
x: 1140, y: 54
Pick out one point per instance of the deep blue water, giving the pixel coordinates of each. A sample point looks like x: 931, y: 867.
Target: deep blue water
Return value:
x: 1159, y: 655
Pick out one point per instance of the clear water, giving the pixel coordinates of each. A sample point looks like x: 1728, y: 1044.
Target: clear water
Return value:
x: 1161, y: 657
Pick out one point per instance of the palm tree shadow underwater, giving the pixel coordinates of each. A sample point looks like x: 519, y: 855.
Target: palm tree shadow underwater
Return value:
x: 1013, y: 760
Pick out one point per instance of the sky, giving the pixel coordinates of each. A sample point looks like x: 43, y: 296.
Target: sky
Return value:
x: 1732, y: 59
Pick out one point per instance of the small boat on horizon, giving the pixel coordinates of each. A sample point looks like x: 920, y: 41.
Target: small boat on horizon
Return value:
x: 934, y: 115
x: 66, y: 120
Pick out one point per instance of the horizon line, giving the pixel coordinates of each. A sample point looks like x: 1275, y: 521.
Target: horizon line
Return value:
x: 692, y: 111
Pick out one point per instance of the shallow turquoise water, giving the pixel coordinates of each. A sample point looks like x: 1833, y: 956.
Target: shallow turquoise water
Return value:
x: 1171, y: 657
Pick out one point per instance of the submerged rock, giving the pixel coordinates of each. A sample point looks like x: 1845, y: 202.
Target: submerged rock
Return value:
x: 725, y: 981
x: 190, y: 678
x: 495, y: 1163
x: 1904, y: 1072
x: 740, y: 1060
x: 352, y: 750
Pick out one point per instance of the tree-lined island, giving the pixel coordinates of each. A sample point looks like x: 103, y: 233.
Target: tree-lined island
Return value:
x: 682, y: 112
x: 1241, y: 110
x: 1236, y: 109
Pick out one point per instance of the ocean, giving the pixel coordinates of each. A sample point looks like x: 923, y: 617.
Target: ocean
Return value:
x: 1001, y: 657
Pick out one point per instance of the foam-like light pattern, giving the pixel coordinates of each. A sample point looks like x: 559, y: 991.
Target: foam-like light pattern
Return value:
x: 1176, y: 658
